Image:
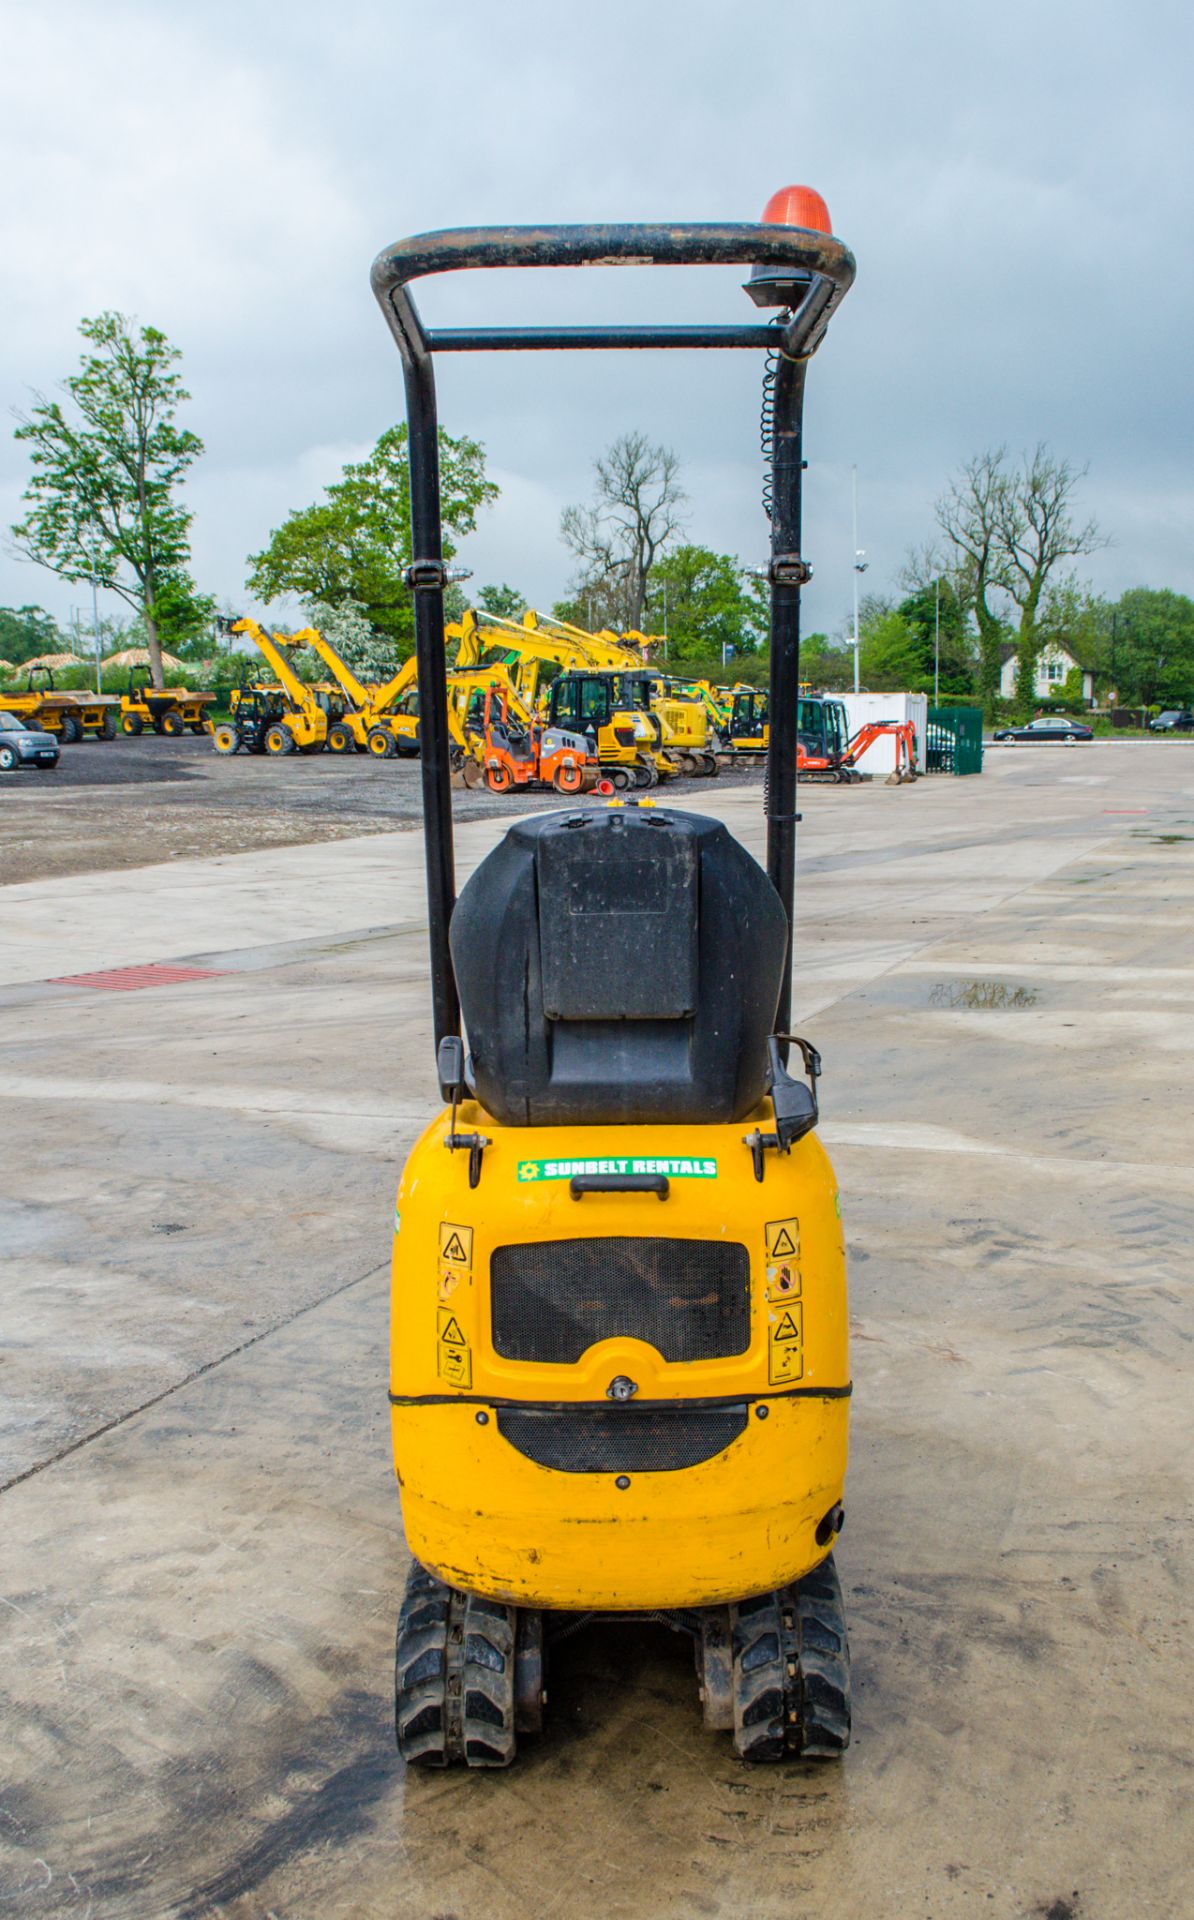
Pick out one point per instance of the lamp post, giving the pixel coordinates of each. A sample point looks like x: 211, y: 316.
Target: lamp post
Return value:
x: 937, y: 646
x: 860, y: 566
x: 95, y: 626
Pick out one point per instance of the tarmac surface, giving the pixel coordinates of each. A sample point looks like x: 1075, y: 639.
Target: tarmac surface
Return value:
x: 201, y: 1552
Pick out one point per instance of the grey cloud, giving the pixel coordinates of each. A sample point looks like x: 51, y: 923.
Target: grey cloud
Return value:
x: 1015, y: 182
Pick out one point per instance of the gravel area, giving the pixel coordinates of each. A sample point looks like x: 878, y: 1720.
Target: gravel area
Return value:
x: 113, y: 805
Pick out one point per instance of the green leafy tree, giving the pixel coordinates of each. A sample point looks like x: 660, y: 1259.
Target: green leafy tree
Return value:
x: 706, y: 605
x: 891, y: 655
x: 1072, y: 617
x: 107, y: 469
x: 351, y: 547
x: 370, y: 654
x: 1151, y: 647
x: 934, y: 607
x: 824, y: 665
x: 27, y: 631
x: 503, y: 602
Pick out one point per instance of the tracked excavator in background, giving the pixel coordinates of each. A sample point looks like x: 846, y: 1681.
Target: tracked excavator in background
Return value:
x: 679, y: 720
x: 620, y: 1376
x: 626, y: 736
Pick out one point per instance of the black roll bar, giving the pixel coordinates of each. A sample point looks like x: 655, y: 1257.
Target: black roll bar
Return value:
x: 819, y: 268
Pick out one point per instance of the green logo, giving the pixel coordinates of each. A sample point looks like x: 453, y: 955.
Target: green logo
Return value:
x: 675, y: 1166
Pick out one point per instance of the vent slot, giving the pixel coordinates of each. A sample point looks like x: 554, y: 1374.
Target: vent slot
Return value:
x: 624, y: 1439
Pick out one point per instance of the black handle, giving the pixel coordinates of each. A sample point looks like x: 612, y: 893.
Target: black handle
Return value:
x: 695, y: 243
x: 582, y: 1183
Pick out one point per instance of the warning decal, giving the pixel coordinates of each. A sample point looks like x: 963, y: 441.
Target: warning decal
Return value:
x: 785, y: 1344
x: 455, y: 1245
x: 783, y: 1282
x: 454, y: 1360
x: 783, y: 1239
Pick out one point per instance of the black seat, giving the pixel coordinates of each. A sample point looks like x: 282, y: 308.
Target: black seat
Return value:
x: 618, y: 966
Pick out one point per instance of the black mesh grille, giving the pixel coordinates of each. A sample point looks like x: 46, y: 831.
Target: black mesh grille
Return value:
x: 622, y: 1439
x: 552, y: 1299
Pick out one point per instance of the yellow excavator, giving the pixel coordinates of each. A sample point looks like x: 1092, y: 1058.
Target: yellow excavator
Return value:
x: 683, y: 725
x: 585, y: 697
x: 717, y: 705
x: 273, y: 719
x: 620, y: 1377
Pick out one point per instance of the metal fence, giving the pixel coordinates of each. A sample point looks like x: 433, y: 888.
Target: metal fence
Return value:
x: 954, y: 740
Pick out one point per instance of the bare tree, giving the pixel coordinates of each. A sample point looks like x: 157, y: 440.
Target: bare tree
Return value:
x: 1036, y: 533
x: 926, y: 566
x: 1009, y: 529
x: 636, y: 510
x: 969, y: 514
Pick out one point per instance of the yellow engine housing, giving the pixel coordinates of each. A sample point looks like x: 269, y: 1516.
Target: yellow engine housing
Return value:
x: 485, y: 1516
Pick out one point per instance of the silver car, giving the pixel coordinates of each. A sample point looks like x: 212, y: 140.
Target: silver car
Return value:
x: 24, y: 746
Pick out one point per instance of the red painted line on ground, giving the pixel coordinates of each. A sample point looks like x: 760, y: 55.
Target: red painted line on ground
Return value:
x: 129, y: 979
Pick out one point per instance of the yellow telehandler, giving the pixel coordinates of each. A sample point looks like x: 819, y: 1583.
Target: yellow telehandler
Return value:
x: 272, y: 720
x: 381, y: 720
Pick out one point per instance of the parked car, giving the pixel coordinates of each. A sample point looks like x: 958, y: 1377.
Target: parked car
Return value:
x: 1048, y: 729
x: 24, y: 746
x: 1173, y: 720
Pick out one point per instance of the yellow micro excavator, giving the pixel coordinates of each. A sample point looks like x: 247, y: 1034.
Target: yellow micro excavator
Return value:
x: 620, y: 1376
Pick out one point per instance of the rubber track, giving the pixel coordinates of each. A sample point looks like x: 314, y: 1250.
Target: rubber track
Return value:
x: 453, y: 1676
x: 792, y: 1671
x: 824, y: 1663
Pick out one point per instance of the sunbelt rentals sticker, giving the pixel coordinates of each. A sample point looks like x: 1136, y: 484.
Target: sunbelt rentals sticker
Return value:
x: 675, y: 1167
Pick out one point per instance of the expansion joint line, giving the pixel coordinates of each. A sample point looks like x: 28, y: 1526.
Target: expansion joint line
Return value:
x: 209, y: 1366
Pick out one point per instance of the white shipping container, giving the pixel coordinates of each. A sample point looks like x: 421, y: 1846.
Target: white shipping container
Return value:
x: 879, y: 758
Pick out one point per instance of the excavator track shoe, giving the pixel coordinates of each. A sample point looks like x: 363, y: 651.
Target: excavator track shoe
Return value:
x: 454, y: 1676
x: 791, y: 1671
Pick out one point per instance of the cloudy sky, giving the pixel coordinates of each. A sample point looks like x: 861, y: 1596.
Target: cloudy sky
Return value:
x: 1015, y: 181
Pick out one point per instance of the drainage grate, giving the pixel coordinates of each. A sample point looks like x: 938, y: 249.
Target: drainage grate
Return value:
x: 129, y: 979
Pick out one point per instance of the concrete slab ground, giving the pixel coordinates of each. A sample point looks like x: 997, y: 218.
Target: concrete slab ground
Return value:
x: 200, y: 1545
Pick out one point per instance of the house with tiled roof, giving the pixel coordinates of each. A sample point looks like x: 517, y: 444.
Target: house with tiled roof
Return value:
x: 1054, y: 664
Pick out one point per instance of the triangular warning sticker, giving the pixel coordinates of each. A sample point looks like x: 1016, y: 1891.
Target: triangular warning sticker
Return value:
x: 451, y: 1335
x: 786, y: 1330
x: 453, y: 1249
x: 783, y: 1246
